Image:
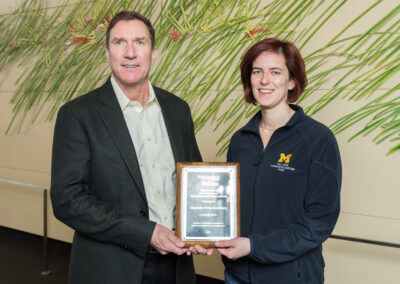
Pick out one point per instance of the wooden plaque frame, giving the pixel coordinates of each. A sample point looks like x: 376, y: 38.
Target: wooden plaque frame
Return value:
x: 209, y: 193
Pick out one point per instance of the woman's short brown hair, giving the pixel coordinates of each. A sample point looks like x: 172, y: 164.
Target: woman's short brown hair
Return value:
x: 293, y: 60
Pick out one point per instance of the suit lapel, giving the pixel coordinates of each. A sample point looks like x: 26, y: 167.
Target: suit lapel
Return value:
x: 114, y: 121
x: 168, y: 111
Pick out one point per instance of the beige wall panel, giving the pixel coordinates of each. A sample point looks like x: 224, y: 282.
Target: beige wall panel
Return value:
x: 210, y: 266
x: 6, y: 6
x: 368, y: 227
x: 370, y: 177
x: 347, y: 13
x: 370, y: 210
x: 334, y: 25
x: 354, y: 263
x: 207, y: 138
x: 21, y: 208
x: 26, y: 157
x: 29, y: 150
x: 8, y: 78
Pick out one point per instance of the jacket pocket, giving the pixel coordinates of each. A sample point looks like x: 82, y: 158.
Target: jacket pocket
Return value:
x: 279, y: 273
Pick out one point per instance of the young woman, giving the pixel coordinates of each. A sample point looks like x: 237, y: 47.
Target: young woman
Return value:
x: 290, y: 175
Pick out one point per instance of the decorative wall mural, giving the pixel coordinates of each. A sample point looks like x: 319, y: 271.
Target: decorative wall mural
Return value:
x: 60, y: 50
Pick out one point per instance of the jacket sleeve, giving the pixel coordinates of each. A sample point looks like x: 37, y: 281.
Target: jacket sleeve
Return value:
x: 321, y: 211
x: 72, y: 196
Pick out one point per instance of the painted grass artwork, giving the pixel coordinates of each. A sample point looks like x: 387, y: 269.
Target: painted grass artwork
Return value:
x: 60, y: 50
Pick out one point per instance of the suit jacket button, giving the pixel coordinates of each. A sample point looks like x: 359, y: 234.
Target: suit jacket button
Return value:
x: 142, y: 213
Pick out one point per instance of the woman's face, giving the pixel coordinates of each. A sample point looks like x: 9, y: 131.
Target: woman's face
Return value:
x: 270, y: 80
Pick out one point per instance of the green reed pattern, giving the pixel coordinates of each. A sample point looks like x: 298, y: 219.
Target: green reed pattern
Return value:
x: 61, y: 52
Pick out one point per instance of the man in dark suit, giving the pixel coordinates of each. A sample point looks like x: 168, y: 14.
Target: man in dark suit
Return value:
x: 114, y: 168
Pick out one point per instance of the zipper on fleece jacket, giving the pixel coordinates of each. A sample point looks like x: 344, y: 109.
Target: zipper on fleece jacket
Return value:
x: 254, y: 178
x: 256, y: 165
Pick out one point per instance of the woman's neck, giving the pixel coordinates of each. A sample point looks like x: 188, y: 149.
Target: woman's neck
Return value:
x: 272, y: 119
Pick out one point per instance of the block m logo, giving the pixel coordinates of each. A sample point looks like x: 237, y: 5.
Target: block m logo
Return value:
x: 285, y: 158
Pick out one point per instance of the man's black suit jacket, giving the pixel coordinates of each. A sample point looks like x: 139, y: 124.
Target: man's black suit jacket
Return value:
x: 97, y: 187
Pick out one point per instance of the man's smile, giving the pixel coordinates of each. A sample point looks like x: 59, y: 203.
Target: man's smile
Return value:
x: 130, y: 65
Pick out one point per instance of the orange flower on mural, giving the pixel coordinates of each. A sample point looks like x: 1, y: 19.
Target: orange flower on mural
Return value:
x: 80, y: 40
x: 256, y: 31
x: 12, y: 45
x: 175, y: 35
x: 77, y: 40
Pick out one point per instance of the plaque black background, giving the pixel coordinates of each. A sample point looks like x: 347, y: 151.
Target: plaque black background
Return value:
x: 194, y: 186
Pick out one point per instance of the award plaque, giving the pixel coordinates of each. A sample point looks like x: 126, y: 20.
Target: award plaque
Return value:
x: 207, y: 203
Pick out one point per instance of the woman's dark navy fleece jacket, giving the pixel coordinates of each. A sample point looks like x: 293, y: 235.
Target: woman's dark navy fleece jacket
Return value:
x: 290, y: 199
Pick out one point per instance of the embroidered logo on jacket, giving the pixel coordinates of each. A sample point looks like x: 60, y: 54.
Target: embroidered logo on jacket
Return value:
x: 285, y: 158
x: 283, y: 163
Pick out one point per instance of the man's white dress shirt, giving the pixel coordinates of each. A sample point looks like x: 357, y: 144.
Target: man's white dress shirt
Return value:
x: 153, y: 149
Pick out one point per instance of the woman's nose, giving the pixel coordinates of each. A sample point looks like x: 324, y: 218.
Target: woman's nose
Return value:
x: 265, y: 78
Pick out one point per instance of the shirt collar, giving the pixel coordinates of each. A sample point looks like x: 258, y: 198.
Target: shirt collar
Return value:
x: 124, y: 102
x: 254, y: 123
x: 299, y: 113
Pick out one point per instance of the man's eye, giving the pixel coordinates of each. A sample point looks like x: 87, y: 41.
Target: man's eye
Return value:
x: 276, y: 72
x: 140, y: 42
x: 256, y: 72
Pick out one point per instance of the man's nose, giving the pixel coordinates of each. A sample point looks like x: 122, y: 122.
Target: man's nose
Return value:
x: 130, y: 51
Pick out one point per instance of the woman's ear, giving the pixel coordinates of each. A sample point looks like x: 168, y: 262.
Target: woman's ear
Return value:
x: 292, y: 85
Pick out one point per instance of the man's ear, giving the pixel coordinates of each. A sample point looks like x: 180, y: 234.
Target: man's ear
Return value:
x: 107, y: 54
x: 153, y: 55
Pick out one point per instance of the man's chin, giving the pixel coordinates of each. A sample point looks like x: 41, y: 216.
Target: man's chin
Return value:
x: 130, y: 82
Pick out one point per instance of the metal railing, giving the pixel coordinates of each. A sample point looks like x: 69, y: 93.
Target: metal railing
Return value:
x: 365, y: 241
x: 45, y: 190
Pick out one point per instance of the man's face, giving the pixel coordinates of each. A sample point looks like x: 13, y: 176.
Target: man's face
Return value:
x: 130, y: 54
